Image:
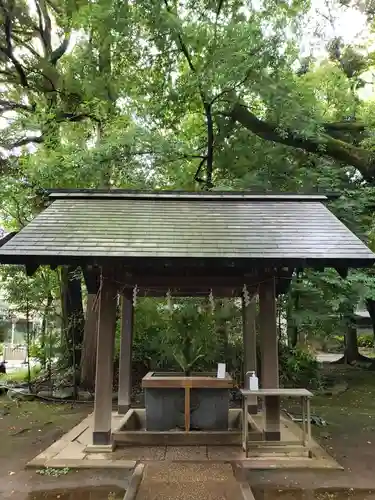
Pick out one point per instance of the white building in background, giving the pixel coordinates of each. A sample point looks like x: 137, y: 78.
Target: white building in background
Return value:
x: 13, y: 324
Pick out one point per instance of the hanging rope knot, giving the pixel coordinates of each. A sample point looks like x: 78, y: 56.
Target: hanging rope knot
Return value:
x: 212, y: 301
x: 246, y: 296
x: 135, y: 293
x: 169, y: 300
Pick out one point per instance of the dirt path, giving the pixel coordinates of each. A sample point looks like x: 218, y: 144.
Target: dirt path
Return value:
x: 349, y: 437
x: 189, y: 481
x: 26, y: 430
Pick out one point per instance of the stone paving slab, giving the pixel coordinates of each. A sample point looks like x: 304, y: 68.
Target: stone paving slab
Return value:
x: 72, y: 450
x: 186, y: 453
x: 99, y: 448
x: 90, y: 464
x: 141, y: 453
x: 225, y: 453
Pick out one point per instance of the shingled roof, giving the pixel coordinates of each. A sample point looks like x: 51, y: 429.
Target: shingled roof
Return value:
x: 278, y: 228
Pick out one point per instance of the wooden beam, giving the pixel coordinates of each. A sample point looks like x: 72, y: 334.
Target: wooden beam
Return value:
x: 31, y: 269
x: 104, y: 360
x: 91, y: 275
x: 125, y: 361
x: 283, y: 280
x: 249, y: 312
x: 200, y: 381
x: 187, y: 408
x: 191, y: 291
x: 180, y: 281
x: 269, y: 356
x: 343, y: 272
x: 268, y: 334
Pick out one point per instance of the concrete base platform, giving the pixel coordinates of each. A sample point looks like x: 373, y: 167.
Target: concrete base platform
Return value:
x: 75, y: 450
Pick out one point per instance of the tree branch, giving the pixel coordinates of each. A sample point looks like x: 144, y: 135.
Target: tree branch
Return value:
x: 346, y: 126
x: 54, y: 7
x: 183, y: 46
x: 219, y: 7
x: 210, y: 145
x: 197, y: 177
x: 24, y: 44
x: 323, y: 145
x: 45, y: 25
x: 207, y: 106
x: 11, y: 105
x: 26, y: 140
x: 60, y: 50
x: 8, y: 50
x: 71, y: 117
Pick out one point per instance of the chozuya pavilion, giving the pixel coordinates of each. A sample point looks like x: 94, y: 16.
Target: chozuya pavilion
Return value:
x: 228, y: 244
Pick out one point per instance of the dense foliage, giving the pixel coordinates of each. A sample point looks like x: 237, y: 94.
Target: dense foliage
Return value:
x: 212, y: 94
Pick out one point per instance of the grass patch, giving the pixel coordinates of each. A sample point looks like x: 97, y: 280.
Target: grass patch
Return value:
x: 357, y: 402
x: 50, y: 471
x: 21, y: 375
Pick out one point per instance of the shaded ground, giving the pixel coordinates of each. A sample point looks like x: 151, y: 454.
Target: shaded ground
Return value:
x: 272, y: 494
x: 26, y: 430
x: 29, y: 428
x: 349, y: 436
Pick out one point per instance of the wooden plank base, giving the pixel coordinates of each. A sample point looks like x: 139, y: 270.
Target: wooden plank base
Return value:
x: 131, y: 432
x: 177, y: 438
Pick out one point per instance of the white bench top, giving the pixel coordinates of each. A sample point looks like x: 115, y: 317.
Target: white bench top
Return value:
x: 277, y: 392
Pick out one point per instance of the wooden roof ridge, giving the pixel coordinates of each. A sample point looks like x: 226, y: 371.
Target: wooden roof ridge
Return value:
x: 187, y: 195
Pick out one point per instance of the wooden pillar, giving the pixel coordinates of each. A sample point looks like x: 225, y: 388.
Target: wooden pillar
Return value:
x: 125, y: 363
x: 269, y: 357
x: 250, y: 347
x: 104, y: 360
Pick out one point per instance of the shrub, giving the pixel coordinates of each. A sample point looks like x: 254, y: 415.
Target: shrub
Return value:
x: 339, y: 341
x: 298, y: 368
x: 21, y: 376
x: 366, y: 341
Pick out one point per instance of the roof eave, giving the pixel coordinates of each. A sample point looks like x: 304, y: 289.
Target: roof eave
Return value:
x: 60, y: 260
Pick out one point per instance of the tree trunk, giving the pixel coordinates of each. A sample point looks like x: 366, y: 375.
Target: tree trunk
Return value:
x: 88, y: 359
x: 92, y: 276
x: 351, y: 353
x: 292, y: 334
x: 72, y: 312
x: 370, y: 305
x: 44, y: 330
x: 292, y: 310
